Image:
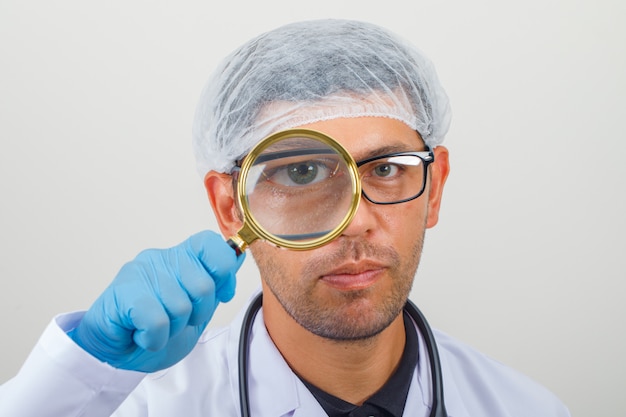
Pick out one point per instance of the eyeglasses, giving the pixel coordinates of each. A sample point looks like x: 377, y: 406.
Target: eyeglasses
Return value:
x: 385, y: 179
x: 299, y: 188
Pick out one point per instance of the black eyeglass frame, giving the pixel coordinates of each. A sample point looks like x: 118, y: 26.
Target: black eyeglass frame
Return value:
x: 427, y: 157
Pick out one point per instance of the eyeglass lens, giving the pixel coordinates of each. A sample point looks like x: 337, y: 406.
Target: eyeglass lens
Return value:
x: 393, y: 179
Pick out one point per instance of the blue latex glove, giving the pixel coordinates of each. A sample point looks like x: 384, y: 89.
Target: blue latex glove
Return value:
x: 154, y: 311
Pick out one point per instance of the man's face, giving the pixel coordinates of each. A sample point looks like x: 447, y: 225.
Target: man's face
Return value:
x: 355, y: 286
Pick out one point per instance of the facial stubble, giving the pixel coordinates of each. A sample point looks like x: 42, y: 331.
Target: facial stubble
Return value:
x: 345, y: 315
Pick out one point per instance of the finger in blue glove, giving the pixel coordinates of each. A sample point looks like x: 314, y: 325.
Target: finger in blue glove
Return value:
x: 156, y: 308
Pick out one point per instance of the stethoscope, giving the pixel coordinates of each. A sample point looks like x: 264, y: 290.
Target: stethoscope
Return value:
x: 437, y: 408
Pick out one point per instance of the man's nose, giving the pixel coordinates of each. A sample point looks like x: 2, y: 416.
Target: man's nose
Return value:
x: 364, y: 220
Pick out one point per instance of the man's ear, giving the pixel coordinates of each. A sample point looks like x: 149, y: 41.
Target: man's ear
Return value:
x: 439, y: 171
x: 221, y: 193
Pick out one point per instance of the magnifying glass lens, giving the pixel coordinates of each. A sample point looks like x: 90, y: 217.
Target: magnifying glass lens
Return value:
x: 299, y: 189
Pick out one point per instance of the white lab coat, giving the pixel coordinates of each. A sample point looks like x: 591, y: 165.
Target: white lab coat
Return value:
x: 59, y: 379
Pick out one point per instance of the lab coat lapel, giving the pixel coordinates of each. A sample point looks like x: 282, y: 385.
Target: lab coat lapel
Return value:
x: 274, y: 389
x: 419, y: 400
x: 420, y: 391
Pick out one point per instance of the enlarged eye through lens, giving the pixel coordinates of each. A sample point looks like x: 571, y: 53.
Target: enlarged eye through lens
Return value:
x: 298, y: 189
x: 302, y: 173
x: 301, y: 193
x: 294, y: 174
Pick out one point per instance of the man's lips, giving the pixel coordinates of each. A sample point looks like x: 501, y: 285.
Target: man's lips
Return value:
x: 353, y: 277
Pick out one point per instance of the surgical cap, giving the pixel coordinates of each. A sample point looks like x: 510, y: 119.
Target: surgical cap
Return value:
x: 313, y: 71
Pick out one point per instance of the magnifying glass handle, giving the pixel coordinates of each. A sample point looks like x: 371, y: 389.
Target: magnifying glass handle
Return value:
x: 238, y: 244
x: 242, y: 239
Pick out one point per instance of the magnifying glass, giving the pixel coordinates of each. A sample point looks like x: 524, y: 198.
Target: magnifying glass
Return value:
x: 298, y: 189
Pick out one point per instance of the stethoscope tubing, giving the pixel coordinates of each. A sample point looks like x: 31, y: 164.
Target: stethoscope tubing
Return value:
x: 244, y: 345
x: 437, y: 407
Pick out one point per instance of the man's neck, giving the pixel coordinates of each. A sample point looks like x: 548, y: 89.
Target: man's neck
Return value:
x: 350, y: 370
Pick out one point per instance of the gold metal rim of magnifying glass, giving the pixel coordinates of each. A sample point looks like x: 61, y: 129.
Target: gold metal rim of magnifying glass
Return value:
x: 252, y: 230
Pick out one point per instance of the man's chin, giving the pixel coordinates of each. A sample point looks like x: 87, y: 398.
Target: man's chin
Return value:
x: 356, y: 319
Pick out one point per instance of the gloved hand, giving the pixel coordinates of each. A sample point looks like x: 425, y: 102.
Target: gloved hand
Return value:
x: 154, y: 311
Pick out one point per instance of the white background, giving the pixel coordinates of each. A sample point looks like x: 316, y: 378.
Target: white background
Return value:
x: 527, y: 263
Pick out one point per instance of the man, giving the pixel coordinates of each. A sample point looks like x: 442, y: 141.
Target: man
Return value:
x: 332, y: 337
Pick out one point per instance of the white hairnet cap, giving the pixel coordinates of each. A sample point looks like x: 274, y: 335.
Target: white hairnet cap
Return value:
x: 312, y: 71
